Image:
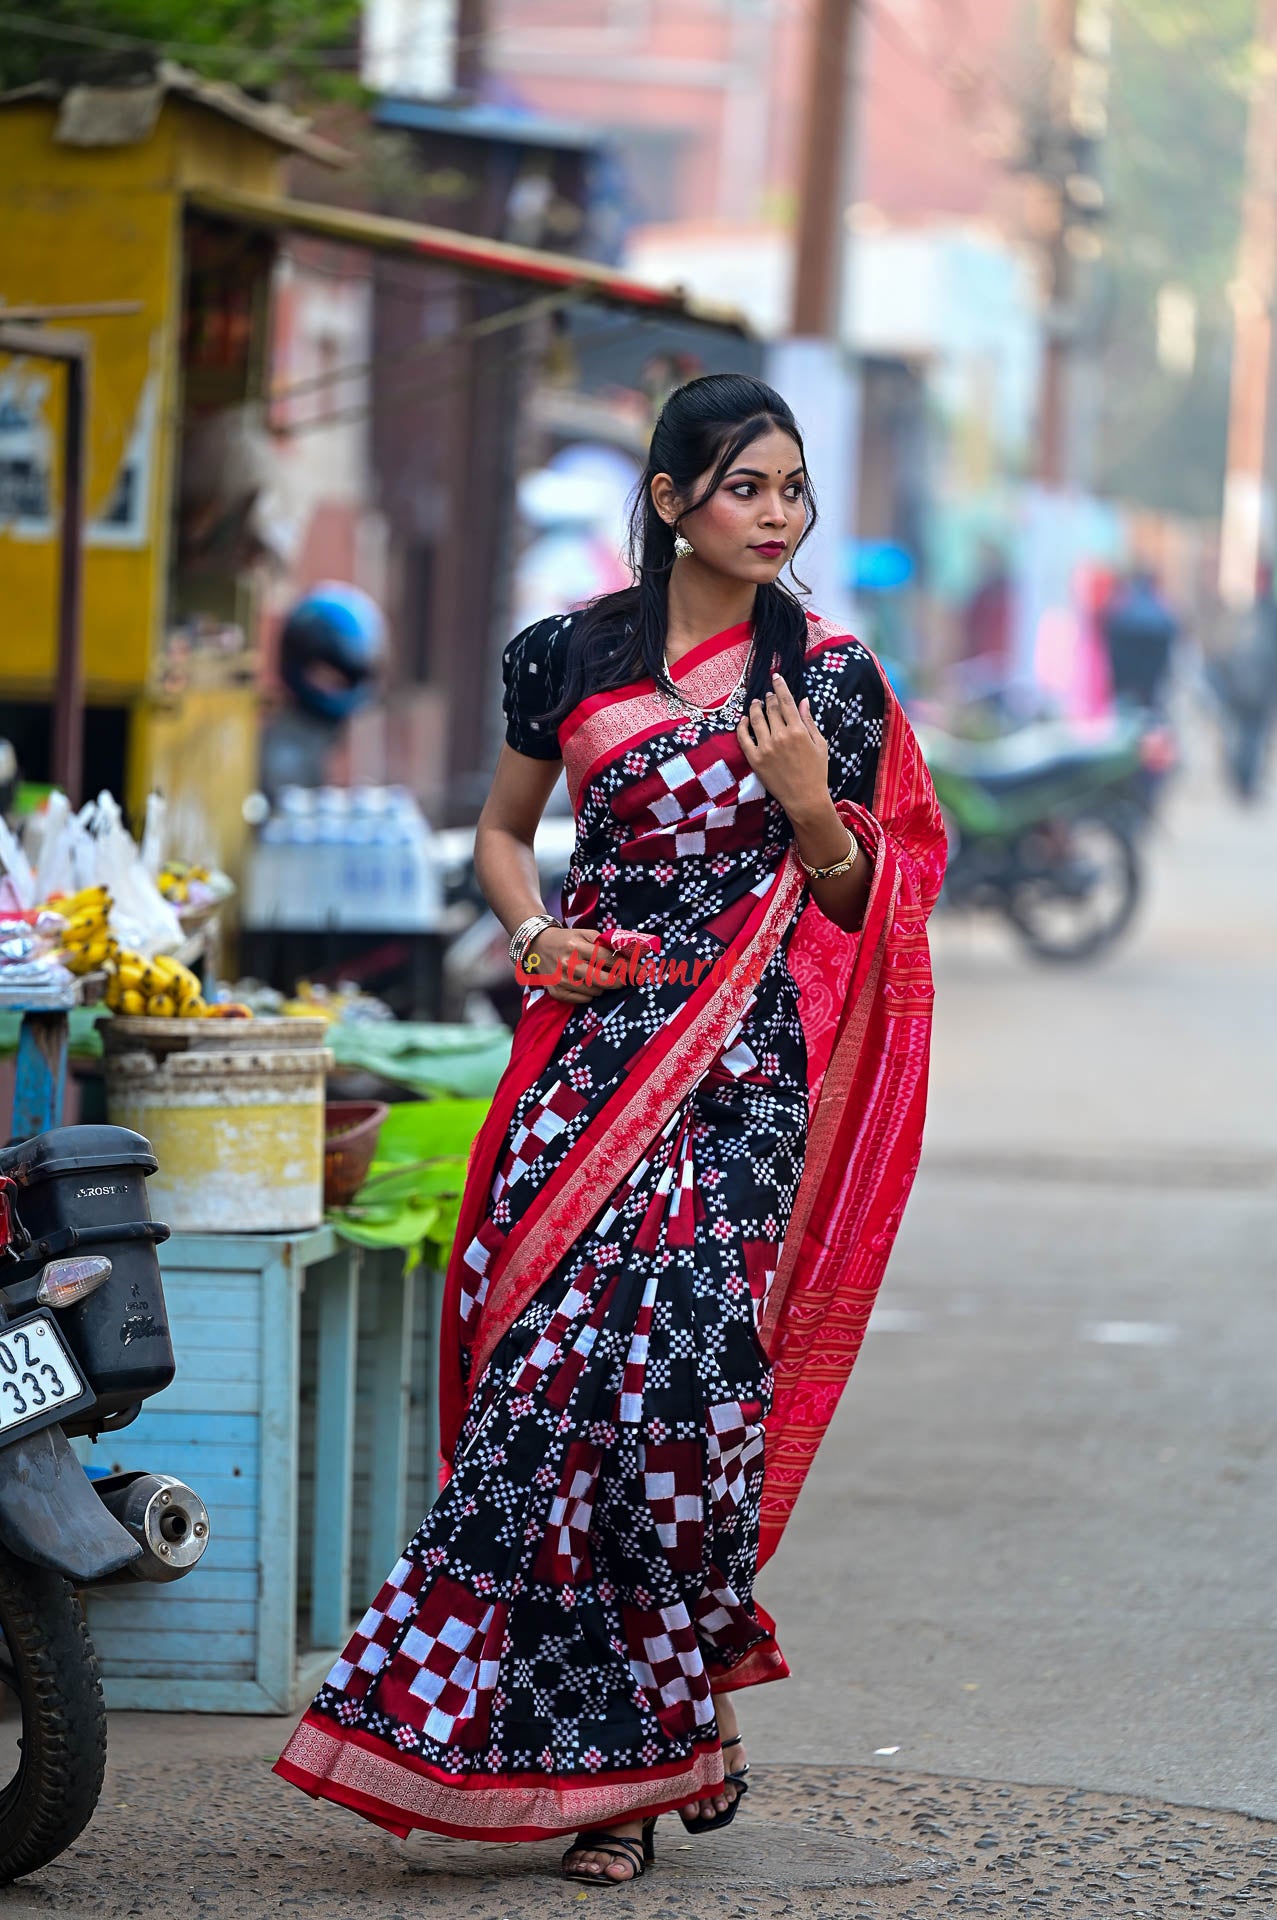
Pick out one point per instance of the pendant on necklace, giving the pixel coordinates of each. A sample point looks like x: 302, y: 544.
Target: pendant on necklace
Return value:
x: 728, y: 712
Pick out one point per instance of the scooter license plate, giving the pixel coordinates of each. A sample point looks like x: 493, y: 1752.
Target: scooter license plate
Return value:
x: 39, y: 1381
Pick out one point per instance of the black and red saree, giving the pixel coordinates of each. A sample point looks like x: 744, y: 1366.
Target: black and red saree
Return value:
x: 677, y: 1215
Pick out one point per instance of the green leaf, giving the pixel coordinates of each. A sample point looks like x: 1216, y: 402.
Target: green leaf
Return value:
x: 384, y: 1227
x: 444, y: 1231
x: 412, y: 1196
x: 418, y: 1130
x: 388, y: 1181
x: 439, y: 1060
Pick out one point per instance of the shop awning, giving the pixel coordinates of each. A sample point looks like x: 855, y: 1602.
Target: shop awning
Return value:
x: 488, y: 259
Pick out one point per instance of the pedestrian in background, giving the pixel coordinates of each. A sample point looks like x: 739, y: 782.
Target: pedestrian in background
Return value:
x: 681, y: 1203
x: 1245, y: 682
x: 1141, y: 631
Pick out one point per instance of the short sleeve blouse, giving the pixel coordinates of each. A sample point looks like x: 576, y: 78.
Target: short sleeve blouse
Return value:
x: 533, y: 670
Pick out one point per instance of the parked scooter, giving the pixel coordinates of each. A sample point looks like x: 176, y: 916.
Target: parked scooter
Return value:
x: 83, y: 1342
x: 1043, y: 828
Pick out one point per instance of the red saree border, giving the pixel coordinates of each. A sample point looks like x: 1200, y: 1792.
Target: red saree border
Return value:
x: 535, y: 1038
x: 689, y: 665
x: 836, y: 1084
x: 708, y: 649
x: 403, y: 1794
x: 762, y: 1663
x: 866, y: 1132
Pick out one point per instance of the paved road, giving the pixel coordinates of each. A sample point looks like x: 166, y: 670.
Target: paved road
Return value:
x: 1028, y: 1594
x: 1039, y: 1543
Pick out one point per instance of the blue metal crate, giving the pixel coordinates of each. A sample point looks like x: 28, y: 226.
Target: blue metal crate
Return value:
x: 287, y: 1440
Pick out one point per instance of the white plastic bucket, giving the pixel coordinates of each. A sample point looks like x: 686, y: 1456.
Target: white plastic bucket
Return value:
x: 238, y: 1132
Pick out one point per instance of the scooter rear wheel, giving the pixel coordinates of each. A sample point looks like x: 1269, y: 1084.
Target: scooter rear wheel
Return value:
x: 1084, y: 893
x: 52, y: 1718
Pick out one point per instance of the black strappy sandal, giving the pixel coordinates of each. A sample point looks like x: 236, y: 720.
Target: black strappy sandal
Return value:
x: 736, y: 1780
x: 639, y: 1854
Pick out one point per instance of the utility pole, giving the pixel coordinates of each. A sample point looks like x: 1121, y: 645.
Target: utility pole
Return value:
x: 1063, y: 155
x: 1061, y: 27
x: 472, y: 28
x: 1244, y: 528
x: 813, y: 368
x: 1078, y: 35
x: 825, y: 180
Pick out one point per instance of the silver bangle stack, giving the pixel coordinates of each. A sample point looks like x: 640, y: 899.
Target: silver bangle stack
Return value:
x: 526, y: 932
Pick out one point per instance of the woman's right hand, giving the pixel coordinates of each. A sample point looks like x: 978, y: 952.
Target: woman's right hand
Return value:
x: 559, y: 957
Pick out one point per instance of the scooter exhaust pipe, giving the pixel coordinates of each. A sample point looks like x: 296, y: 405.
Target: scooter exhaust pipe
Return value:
x: 168, y: 1521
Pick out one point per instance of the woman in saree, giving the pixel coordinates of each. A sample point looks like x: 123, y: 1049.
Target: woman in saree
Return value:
x: 679, y: 1207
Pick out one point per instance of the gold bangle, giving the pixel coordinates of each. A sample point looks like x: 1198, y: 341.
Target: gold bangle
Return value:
x: 844, y: 865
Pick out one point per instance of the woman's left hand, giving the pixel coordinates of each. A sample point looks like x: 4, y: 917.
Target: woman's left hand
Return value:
x: 786, y: 749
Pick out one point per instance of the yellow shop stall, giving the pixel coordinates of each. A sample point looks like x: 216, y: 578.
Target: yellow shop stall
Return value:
x: 97, y: 234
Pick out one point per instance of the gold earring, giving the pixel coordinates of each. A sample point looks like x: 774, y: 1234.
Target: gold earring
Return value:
x: 683, y: 546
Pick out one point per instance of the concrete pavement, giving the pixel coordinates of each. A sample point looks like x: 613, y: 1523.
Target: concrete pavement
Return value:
x: 194, y: 1825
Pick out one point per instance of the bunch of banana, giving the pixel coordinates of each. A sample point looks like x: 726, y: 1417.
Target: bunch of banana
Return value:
x: 175, y: 880
x: 162, y: 988
x: 88, y: 945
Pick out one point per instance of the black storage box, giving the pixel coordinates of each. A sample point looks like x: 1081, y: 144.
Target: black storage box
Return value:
x: 83, y: 1190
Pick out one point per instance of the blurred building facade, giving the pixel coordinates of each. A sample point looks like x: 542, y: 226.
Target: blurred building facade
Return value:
x: 401, y: 409
x: 474, y: 479
x: 704, y: 104
x: 426, y: 399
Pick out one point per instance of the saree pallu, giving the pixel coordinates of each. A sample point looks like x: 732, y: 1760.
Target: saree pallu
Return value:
x: 676, y: 1218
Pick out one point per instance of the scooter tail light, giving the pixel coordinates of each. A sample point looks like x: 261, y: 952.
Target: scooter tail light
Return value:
x: 1158, y: 751
x: 7, y: 1234
x: 63, y: 1282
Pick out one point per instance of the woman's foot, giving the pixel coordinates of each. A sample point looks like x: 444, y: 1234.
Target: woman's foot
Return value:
x: 615, y: 1864
x: 733, y: 1761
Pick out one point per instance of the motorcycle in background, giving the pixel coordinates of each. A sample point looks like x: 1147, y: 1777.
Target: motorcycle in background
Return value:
x: 1158, y: 761
x: 1044, y: 828
x: 83, y: 1342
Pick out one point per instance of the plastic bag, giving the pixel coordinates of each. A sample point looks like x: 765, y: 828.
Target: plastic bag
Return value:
x: 141, y: 918
x: 16, y: 868
x: 67, y: 851
x: 152, y: 853
x: 60, y: 847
